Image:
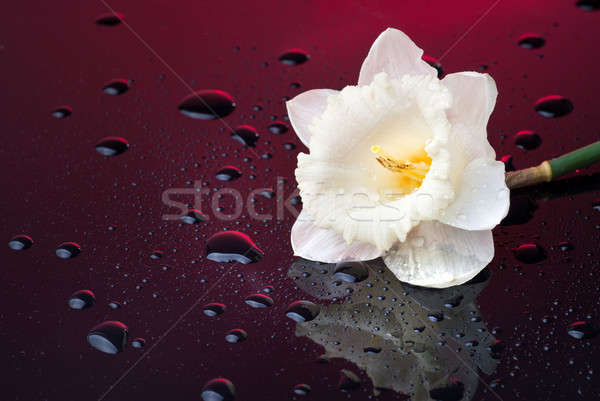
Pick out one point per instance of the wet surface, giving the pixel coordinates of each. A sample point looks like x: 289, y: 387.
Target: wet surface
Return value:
x: 148, y: 270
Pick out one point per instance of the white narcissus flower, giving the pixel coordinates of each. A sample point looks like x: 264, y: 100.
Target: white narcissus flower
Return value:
x: 400, y: 168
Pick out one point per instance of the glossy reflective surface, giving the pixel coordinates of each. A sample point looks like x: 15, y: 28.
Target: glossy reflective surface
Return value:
x: 150, y: 271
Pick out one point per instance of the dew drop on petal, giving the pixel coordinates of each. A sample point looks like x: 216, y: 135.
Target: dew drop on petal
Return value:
x: 302, y: 311
x: 351, y: 272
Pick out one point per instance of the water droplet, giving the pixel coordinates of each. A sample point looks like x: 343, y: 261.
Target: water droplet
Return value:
x: 112, y: 146
x: 116, y: 87
x: 294, y: 57
x: 232, y: 246
x: 62, y: 112
x: 371, y: 350
x: 302, y: 389
x: 435, y: 64
x: 109, y: 19
x: 289, y: 146
x: 194, y: 216
x: 351, y: 272
x: 214, y: 309
x: 68, y: 250
x: 530, y: 253
x: 114, y: 305
x: 82, y: 299
x: 302, y: 311
x: 138, y: 342
x: 267, y: 193
x: 527, y: 140
x: 228, y: 173
x: 581, y: 330
x: 348, y: 380
x: 565, y: 246
x: 588, y: 5
x: 109, y: 337
x: 246, y: 135
x: 207, y: 104
x: 20, y: 242
x: 553, y: 106
x: 453, y: 302
x: 156, y: 254
x: 236, y: 336
x: 531, y: 41
x: 435, y: 317
x: 219, y: 389
x: 278, y: 128
x: 259, y: 301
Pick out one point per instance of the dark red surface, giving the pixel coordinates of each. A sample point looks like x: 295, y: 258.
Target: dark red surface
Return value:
x: 57, y: 189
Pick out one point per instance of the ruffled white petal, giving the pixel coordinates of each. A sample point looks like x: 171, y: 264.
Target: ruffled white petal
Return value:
x: 318, y: 244
x: 482, y: 198
x: 473, y: 100
x: 304, y: 108
x: 439, y: 256
x: 396, y: 54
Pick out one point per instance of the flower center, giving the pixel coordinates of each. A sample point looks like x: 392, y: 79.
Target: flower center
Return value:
x: 411, y: 172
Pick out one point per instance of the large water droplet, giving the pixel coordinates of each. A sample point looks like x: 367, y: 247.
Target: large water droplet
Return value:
x: 82, y: 299
x: 435, y: 64
x: 207, y: 104
x: 112, y: 146
x: 348, y: 380
x: 62, y: 112
x: 236, y: 336
x: 351, y: 272
x: 246, y: 135
x: 228, y: 173
x: 553, y: 106
x: 116, y: 87
x: 531, y: 41
x: 109, y: 19
x: 527, y: 140
x: 20, y: 242
x: 109, y: 337
x: 68, y: 250
x: 294, y: 57
x: 219, y: 389
x: 214, y: 309
x: 232, y: 246
x: 302, y: 311
x: 588, y: 5
x: 259, y: 301
x: 530, y: 253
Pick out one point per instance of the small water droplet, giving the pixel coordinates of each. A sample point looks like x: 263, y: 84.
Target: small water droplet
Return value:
x: 302, y: 311
x: 194, y: 216
x: 156, y: 254
x: 294, y: 56
x: 207, y: 104
x: 588, y: 5
x: 259, y: 301
x: 236, y: 336
x: 527, y: 140
x: 531, y: 41
x: 68, y: 250
x: 20, y: 242
x: 138, y: 342
x: 350, y: 272
x: 246, y: 135
x: 228, y: 173
x: 214, y: 309
x: 219, y: 389
x: 530, y: 253
x: 302, y: 389
x: 109, y: 337
x: 289, y: 146
x: 553, y: 106
x: 62, y: 112
x: 82, y: 299
x: 232, y: 246
x: 581, y: 330
x: 112, y: 146
x: 116, y: 87
x: 109, y: 19
x: 278, y: 128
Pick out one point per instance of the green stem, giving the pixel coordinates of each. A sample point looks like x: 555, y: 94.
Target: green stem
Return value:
x: 576, y: 159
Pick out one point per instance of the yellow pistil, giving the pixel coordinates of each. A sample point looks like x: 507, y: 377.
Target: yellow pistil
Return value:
x: 414, y: 171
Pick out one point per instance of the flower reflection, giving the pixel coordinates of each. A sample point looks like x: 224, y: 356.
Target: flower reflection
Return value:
x: 422, y: 342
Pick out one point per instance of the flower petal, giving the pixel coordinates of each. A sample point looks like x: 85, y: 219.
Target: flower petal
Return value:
x: 396, y: 54
x: 304, y: 108
x: 318, y: 244
x: 439, y: 256
x: 482, y: 198
x: 473, y: 100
